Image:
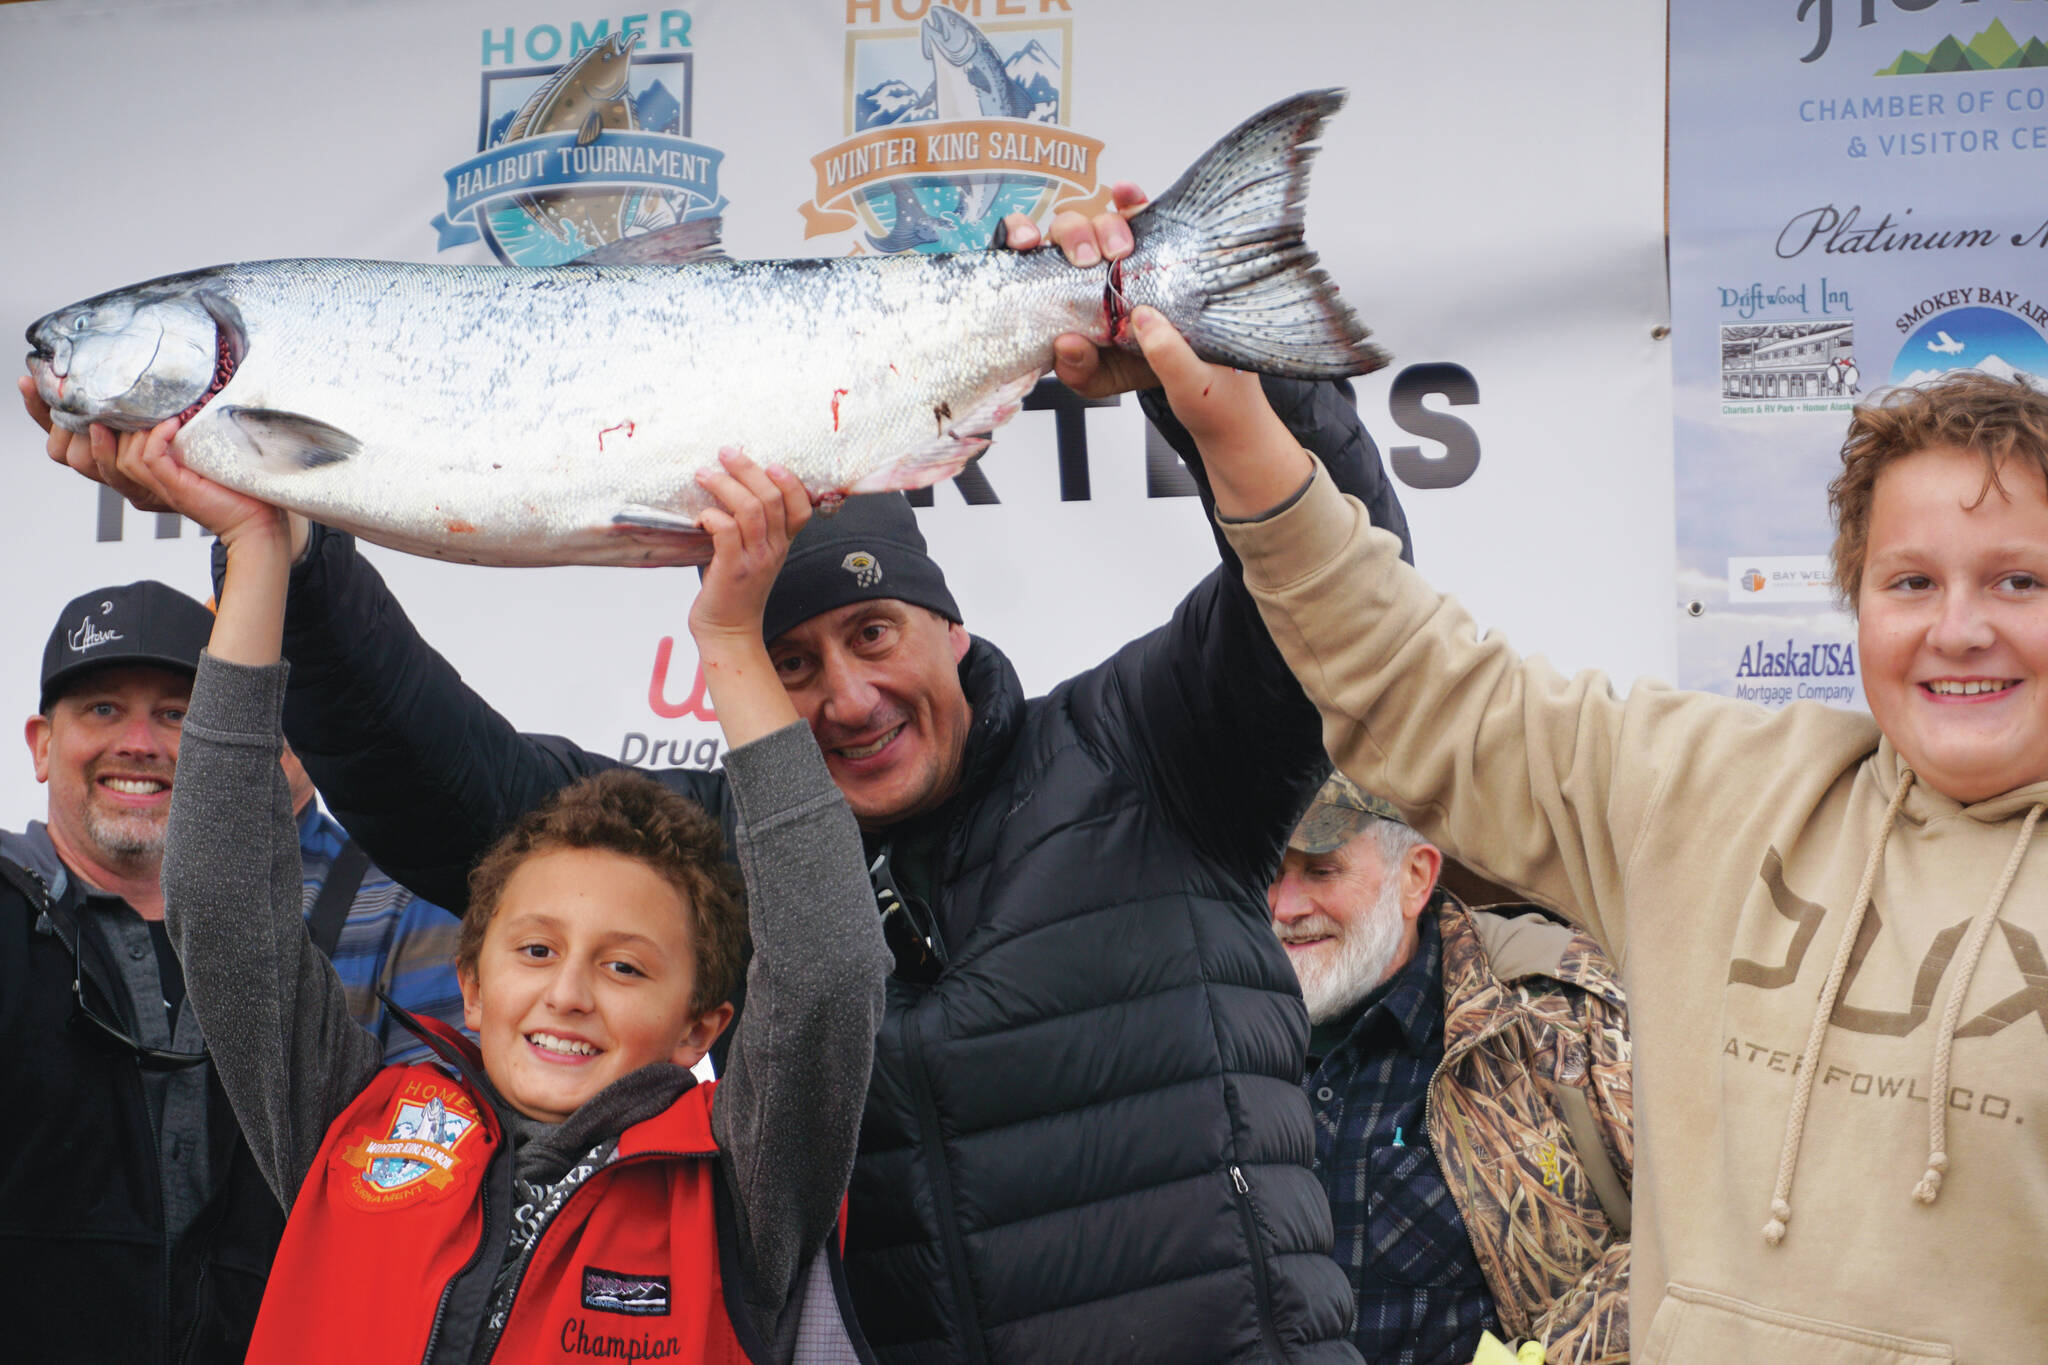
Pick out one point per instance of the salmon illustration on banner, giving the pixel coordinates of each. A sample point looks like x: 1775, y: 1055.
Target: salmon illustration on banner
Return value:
x: 952, y: 125
x: 583, y: 142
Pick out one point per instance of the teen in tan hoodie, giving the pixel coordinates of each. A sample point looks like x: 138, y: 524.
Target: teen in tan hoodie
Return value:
x: 1824, y: 920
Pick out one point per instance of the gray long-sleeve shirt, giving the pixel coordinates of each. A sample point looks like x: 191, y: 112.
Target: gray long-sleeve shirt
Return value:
x: 276, y: 1019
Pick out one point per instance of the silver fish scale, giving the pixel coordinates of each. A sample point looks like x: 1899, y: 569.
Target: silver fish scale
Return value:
x: 563, y: 399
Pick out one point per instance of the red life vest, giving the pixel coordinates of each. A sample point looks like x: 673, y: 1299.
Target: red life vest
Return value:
x: 385, y: 1256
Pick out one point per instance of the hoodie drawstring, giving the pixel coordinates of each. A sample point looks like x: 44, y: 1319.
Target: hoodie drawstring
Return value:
x: 1945, y: 1038
x: 1802, y: 1084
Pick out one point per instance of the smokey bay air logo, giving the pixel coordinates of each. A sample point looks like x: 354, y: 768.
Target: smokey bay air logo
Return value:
x: 413, y: 1152
x: 576, y: 155
x: 1973, y: 337
x: 952, y: 126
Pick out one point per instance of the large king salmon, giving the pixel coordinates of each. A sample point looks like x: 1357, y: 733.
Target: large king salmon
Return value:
x: 499, y: 415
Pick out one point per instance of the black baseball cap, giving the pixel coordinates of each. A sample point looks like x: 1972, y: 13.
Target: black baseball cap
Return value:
x: 870, y: 548
x: 138, y: 623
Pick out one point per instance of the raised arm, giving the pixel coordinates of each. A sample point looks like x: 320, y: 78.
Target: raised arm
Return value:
x: 787, y: 1114
x: 274, y: 1013
x: 1205, y: 711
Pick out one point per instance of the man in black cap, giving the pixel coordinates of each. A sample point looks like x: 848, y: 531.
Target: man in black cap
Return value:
x: 1085, y: 1133
x: 132, y: 1223
x: 131, y: 1215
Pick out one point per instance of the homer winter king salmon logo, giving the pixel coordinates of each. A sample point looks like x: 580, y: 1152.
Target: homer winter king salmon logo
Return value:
x: 583, y: 141
x: 953, y: 122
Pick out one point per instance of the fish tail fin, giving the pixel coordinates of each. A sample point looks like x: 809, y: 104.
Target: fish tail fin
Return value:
x: 1265, y: 304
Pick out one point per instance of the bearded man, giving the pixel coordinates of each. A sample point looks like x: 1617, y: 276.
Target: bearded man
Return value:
x: 1469, y: 1072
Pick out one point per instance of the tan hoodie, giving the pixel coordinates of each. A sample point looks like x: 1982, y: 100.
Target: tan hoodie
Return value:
x: 1718, y: 849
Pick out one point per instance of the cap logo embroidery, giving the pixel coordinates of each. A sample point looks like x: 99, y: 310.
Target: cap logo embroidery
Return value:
x: 865, y: 568
x: 87, y: 636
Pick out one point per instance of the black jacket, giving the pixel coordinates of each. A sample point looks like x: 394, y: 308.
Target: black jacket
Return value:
x: 90, y: 1273
x: 1087, y: 1138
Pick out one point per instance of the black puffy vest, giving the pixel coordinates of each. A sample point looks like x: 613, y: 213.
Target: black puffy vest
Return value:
x: 1087, y: 1141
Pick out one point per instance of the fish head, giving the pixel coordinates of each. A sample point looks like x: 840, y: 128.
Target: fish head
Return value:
x: 608, y: 66
x: 950, y: 34
x: 130, y: 358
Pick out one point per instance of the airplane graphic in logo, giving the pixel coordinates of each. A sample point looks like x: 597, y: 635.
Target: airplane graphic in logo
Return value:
x: 1948, y: 345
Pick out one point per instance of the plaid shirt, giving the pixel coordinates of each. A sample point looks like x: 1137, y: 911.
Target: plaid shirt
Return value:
x: 1422, y: 1299
x: 391, y: 941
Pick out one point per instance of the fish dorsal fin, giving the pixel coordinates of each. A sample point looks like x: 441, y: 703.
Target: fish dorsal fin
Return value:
x: 290, y: 442
x: 690, y: 242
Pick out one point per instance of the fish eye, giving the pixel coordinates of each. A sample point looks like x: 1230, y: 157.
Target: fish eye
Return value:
x: 78, y: 324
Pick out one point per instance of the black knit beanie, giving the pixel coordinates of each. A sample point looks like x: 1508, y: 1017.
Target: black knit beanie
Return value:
x: 870, y: 548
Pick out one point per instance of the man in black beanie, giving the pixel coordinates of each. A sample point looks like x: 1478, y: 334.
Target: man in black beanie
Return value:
x: 1085, y: 1134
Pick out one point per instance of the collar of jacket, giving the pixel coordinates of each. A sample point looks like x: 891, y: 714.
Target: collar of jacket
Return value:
x: 1487, y: 953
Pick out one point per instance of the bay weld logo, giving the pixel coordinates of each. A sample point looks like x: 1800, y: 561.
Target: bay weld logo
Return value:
x: 1783, y: 578
x: 89, y: 636
x: 953, y: 124
x: 587, y: 144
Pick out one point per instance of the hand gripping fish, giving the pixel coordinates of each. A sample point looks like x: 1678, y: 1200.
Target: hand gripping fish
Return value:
x: 498, y: 415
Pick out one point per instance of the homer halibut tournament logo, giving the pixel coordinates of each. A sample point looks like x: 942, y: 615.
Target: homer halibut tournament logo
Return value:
x: 583, y: 140
x: 953, y: 122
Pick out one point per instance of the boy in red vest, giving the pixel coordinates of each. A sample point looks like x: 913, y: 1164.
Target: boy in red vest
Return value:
x: 564, y: 1189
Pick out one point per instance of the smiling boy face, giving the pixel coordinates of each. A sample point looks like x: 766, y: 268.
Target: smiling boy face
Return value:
x: 1952, y: 621
x: 586, y: 973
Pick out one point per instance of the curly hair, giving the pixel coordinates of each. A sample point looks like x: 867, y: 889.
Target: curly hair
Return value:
x: 1996, y: 419
x: 630, y: 814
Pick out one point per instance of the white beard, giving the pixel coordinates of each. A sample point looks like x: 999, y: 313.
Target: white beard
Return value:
x: 1334, y: 980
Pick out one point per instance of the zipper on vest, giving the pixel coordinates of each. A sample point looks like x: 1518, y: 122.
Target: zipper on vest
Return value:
x: 1242, y: 1190
x: 488, y: 1238
x: 934, y: 1149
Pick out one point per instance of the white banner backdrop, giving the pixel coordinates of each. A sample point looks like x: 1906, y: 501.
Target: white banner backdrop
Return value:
x: 1490, y: 201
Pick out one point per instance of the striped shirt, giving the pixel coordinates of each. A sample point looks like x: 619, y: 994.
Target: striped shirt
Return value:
x: 391, y: 941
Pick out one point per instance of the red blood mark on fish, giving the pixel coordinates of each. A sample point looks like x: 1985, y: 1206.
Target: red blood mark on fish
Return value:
x: 1206, y: 387
x: 1115, y: 310
x: 626, y: 427
x: 457, y: 527
x: 838, y: 394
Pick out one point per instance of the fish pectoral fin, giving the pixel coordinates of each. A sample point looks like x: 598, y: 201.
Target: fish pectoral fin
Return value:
x: 958, y: 441
x: 638, y: 516
x: 592, y: 126
x: 288, y: 442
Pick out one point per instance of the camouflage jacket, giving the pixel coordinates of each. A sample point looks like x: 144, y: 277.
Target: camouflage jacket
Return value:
x: 1531, y: 1116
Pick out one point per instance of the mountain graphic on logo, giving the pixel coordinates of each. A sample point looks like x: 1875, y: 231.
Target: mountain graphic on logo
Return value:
x: 1992, y: 50
x: 1033, y: 70
x: 1996, y: 366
